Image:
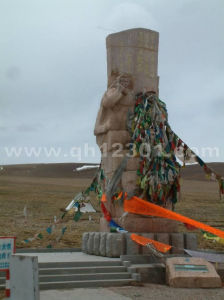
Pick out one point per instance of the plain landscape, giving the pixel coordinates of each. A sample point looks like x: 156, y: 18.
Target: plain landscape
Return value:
x: 46, y: 189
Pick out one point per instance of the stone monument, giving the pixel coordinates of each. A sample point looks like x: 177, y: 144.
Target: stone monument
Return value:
x: 132, y: 63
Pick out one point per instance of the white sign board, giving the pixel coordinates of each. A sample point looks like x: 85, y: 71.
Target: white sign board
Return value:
x: 7, y: 248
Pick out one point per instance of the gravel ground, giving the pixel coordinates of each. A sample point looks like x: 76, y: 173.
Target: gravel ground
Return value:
x: 161, y: 292
x: 148, y: 291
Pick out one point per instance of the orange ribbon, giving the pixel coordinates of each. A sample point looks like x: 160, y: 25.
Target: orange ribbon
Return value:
x: 144, y: 241
x: 138, y: 206
x: 104, y: 198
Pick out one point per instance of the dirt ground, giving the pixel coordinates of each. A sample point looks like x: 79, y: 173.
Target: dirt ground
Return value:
x: 144, y: 292
x: 44, y: 197
x: 161, y: 292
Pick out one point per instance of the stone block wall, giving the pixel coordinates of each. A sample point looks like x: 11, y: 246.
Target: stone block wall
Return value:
x: 117, y: 244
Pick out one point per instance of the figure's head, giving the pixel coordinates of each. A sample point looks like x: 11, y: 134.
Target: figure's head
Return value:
x: 124, y: 79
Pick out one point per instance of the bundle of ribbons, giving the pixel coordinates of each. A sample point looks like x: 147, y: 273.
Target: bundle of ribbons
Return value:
x: 155, y: 143
x: 159, y: 171
x: 158, y: 146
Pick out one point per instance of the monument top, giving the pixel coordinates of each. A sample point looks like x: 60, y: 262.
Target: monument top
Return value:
x: 135, y: 52
x: 136, y: 37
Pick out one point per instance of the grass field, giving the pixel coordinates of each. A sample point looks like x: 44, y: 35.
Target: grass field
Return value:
x: 45, y: 189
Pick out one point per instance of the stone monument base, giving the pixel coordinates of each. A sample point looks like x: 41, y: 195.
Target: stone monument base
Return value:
x: 134, y: 223
x: 117, y: 244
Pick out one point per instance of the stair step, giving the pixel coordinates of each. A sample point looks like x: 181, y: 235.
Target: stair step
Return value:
x: 84, y: 270
x: 105, y: 278
x: 75, y: 274
x: 84, y: 284
x: 79, y: 277
x: 80, y: 264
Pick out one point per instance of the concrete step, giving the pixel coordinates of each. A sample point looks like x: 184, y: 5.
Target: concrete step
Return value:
x: 140, y: 259
x: 80, y: 270
x: 81, y: 280
x: 47, y: 250
x: 72, y: 274
x: 151, y: 273
x: 84, y: 284
x: 84, y: 277
x: 79, y: 264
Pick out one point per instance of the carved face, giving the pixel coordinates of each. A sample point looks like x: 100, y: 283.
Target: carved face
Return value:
x: 125, y: 81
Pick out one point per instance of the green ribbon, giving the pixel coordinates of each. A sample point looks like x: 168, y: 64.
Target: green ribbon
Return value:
x: 77, y: 216
x: 40, y: 236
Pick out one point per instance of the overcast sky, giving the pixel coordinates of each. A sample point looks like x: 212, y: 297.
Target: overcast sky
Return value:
x: 53, y: 71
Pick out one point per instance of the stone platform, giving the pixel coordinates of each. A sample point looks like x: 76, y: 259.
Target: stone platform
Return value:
x: 117, y: 244
x: 135, y: 223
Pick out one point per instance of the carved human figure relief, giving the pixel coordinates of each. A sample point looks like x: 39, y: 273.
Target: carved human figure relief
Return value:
x: 115, y: 104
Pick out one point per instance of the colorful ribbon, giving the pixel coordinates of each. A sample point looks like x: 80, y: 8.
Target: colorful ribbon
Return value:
x: 138, y: 206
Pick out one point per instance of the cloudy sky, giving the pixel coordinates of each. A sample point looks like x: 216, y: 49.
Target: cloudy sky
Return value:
x: 53, y: 72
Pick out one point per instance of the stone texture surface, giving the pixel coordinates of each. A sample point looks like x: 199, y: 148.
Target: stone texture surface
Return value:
x: 118, y: 211
x: 103, y: 238
x: 85, y: 238
x: 177, y: 240
x: 104, y: 225
x: 134, y: 51
x: 153, y: 273
x: 113, y: 159
x: 131, y: 247
x: 129, y: 181
x: 113, y: 140
x: 134, y: 223
x: 191, y: 279
x: 163, y: 238
x: 90, y: 242
x: 220, y: 271
x: 139, y: 224
x: 109, y: 245
x: 96, y: 244
x: 191, y: 241
x: 115, y: 244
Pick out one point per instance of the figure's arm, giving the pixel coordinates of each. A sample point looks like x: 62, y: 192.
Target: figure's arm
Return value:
x: 112, y: 96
